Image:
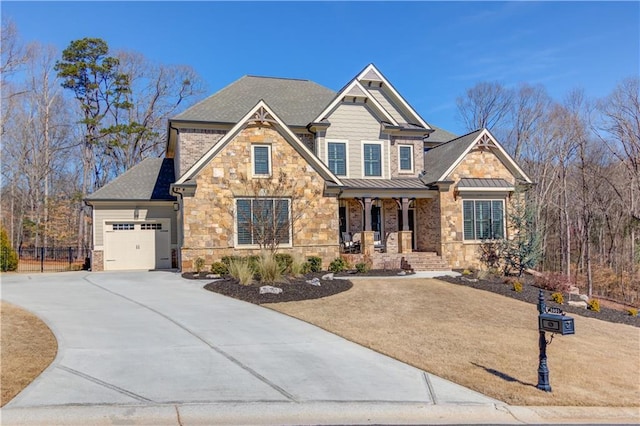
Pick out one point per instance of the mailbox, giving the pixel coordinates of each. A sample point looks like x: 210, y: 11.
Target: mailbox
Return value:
x: 555, y: 323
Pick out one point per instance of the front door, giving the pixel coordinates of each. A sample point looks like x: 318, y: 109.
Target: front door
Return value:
x: 412, y: 226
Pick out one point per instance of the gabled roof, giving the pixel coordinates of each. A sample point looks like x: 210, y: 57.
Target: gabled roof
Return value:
x: 357, y: 89
x: 440, y: 135
x: 147, y: 181
x: 371, y: 73
x: 260, y: 112
x: 297, y: 102
x: 440, y: 161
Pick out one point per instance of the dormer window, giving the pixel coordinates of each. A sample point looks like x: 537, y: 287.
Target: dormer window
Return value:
x: 261, y: 160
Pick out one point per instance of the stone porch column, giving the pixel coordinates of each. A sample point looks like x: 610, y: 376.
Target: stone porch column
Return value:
x: 404, y: 242
x: 366, y: 243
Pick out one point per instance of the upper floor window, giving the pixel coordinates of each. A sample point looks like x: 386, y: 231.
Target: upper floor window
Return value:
x: 261, y: 160
x: 372, y: 159
x: 337, y: 158
x: 405, y: 158
x: 483, y: 219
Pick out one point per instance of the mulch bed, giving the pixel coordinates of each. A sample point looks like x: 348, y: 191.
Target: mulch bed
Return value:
x: 292, y: 290
x: 530, y: 294
x: 298, y: 289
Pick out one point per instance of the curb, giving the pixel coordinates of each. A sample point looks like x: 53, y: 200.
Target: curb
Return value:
x: 316, y: 413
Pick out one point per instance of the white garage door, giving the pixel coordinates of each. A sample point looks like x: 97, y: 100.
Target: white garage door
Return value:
x: 137, y: 245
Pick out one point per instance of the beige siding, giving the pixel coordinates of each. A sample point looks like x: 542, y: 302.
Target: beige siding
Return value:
x: 388, y: 105
x: 355, y: 122
x: 127, y: 212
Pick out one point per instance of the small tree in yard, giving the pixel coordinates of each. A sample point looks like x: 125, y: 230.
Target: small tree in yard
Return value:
x: 272, y: 209
x: 521, y: 251
x: 8, y: 256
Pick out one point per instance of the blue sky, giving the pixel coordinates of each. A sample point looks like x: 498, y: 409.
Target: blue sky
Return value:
x: 430, y: 51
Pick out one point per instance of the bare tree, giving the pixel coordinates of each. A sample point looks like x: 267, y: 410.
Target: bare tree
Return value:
x: 484, y: 105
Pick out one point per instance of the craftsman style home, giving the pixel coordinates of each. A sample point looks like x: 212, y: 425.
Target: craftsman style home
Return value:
x: 357, y: 173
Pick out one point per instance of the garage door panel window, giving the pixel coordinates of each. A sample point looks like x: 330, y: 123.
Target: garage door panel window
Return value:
x: 151, y: 227
x: 483, y: 219
x: 123, y: 226
x: 262, y: 222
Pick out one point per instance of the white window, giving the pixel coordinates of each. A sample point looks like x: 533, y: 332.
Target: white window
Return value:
x: 261, y: 160
x: 123, y: 226
x: 372, y: 159
x: 262, y: 222
x: 483, y: 219
x: 405, y: 158
x: 337, y: 157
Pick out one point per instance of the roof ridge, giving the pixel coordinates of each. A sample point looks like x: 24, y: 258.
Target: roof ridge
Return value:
x: 278, y: 78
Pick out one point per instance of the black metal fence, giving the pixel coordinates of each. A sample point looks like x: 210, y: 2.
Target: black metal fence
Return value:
x: 52, y: 259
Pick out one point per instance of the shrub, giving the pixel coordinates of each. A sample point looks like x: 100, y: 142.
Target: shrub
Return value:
x: 284, y: 260
x: 240, y: 270
x: 466, y: 272
x: 253, y: 261
x: 338, y: 265
x: 362, y: 267
x: 517, y: 286
x: 219, y: 268
x: 228, y: 259
x: 594, y: 305
x: 315, y: 263
x: 632, y: 312
x: 8, y: 256
x: 199, y: 264
x: 553, y: 281
x: 298, y: 266
x: 268, y: 268
x: 558, y: 298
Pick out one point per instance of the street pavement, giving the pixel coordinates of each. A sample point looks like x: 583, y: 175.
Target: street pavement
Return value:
x: 153, y: 348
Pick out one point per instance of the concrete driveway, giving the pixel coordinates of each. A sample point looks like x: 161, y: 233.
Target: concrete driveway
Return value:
x: 153, y: 339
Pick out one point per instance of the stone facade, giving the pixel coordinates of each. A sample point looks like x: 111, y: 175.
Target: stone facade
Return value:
x: 209, y: 218
x: 97, y: 261
x: 418, y: 156
x: 453, y: 248
x: 193, y: 144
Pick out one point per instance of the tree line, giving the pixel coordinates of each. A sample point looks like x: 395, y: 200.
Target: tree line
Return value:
x: 584, y: 157
x: 72, y: 121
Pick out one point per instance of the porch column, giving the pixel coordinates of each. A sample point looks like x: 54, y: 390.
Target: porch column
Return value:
x: 367, y: 214
x: 405, y: 213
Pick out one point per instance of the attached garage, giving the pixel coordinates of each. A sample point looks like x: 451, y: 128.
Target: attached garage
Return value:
x: 137, y: 245
x: 134, y: 220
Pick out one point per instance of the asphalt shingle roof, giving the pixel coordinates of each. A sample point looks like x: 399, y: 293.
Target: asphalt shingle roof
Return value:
x: 148, y: 180
x: 440, y: 135
x: 437, y: 160
x: 297, y: 102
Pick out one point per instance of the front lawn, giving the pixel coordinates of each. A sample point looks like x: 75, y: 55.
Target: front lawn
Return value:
x: 485, y: 341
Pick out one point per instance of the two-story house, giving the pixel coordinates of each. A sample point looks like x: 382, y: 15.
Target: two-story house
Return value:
x: 356, y: 173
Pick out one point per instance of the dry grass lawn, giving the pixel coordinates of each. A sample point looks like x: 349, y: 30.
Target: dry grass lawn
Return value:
x: 27, y: 347
x: 482, y: 340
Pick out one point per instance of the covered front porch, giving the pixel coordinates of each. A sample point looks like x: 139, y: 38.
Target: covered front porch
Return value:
x: 391, y: 228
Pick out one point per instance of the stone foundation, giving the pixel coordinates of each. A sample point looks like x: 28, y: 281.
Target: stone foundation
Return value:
x: 97, y: 261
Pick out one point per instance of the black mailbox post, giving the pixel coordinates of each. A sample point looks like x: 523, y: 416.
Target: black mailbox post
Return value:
x: 552, y: 320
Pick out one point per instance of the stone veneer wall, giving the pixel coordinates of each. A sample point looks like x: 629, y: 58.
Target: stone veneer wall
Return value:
x: 209, y: 219
x: 477, y: 164
x: 428, y: 222
x: 97, y: 261
x: 193, y: 144
x: 418, y: 155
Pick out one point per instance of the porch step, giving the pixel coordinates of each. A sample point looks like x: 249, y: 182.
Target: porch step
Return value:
x: 424, y: 261
x: 417, y: 261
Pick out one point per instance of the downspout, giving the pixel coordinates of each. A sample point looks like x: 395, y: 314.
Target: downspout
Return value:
x: 180, y: 225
